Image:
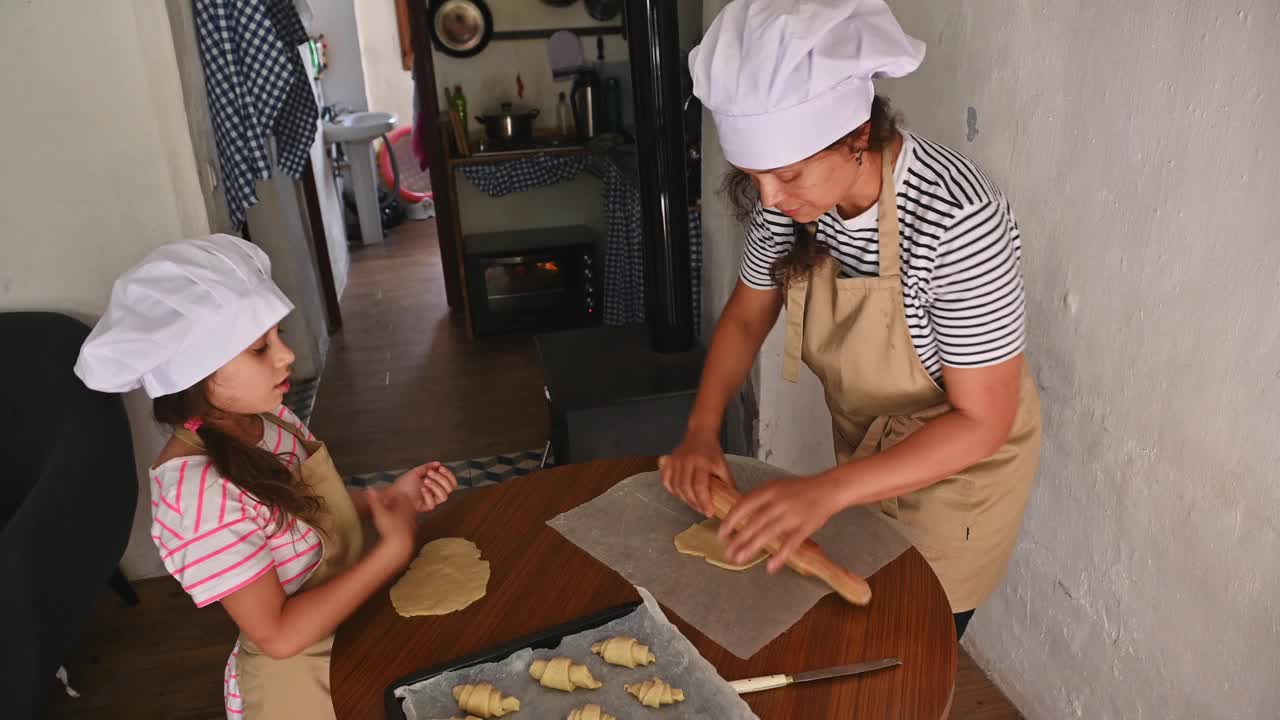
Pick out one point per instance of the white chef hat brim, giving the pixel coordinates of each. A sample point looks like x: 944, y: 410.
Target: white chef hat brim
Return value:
x: 784, y: 79
x: 183, y: 312
x: 206, y: 351
x: 773, y: 140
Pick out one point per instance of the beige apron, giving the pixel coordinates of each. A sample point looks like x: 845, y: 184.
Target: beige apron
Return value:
x: 853, y: 334
x: 298, y: 687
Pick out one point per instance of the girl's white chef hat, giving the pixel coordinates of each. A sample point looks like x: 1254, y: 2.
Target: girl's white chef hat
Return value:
x: 784, y: 79
x: 183, y: 312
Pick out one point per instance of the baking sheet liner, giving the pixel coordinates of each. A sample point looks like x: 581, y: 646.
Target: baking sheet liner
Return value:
x: 631, y: 528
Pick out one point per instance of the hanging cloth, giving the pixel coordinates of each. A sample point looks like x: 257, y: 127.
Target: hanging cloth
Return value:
x: 257, y: 87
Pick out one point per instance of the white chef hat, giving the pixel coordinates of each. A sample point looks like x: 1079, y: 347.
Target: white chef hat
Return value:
x: 784, y: 79
x: 183, y: 312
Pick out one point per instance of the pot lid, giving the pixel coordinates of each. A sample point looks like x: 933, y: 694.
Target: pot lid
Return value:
x: 512, y: 109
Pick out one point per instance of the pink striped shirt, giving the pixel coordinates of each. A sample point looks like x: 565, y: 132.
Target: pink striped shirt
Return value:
x: 213, y: 539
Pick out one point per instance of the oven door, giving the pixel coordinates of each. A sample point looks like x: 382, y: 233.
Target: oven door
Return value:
x: 531, y: 282
x: 530, y: 292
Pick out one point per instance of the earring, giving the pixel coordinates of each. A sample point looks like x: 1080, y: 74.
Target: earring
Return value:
x: 858, y: 158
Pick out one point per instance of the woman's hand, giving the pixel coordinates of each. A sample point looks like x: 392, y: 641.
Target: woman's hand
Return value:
x: 426, y: 486
x: 692, y: 467
x: 788, y: 510
x: 396, y: 521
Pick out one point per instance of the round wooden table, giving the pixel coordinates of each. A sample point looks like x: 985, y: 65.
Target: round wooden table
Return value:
x: 539, y: 580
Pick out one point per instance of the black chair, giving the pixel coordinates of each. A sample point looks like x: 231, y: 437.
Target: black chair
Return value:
x: 67, y: 499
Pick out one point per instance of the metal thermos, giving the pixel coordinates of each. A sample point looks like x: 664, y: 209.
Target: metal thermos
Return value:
x: 585, y: 98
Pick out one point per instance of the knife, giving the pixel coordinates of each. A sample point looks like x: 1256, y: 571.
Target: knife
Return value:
x: 769, y: 682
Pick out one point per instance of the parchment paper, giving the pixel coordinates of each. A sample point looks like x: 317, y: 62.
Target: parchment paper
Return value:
x: 631, y: 528
x: 707, y: 695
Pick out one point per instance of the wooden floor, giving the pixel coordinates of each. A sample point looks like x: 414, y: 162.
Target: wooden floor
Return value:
x: 402, y: 386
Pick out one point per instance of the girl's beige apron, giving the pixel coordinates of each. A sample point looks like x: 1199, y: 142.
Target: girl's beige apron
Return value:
x: 298, y: 687
x: 852, y: 332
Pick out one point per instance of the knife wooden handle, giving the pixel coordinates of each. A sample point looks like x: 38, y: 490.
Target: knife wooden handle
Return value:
x: 808, y: 559
x: 768, y: 682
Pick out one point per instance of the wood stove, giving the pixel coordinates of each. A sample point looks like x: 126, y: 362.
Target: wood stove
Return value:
x: 628, y: 391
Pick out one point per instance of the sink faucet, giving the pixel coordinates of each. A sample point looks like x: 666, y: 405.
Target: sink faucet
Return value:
x: 332, y: 112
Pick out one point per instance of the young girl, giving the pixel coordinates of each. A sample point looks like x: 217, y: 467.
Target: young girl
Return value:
x: 248, y: 508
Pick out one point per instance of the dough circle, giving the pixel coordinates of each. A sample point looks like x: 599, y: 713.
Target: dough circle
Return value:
x: 701, y: 541
x: 447, y: 575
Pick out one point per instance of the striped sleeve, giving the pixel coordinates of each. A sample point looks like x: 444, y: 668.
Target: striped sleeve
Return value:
x: 287, y: 415
x: 769, y: 237
x: 209, y: 533
x: 976, y: 300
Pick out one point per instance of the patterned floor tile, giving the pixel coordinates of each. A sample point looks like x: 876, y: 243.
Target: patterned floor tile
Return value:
x: 471, y: 473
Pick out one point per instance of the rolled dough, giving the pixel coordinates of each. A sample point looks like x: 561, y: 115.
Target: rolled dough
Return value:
x: 701, y: 541
x: 447, y: 575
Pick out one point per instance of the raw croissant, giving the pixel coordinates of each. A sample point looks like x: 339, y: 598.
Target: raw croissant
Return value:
x: 589, y: 712
x: 562, y: 674
x: 624, y: 651
x: 655, y: 693
x: 484, y: 700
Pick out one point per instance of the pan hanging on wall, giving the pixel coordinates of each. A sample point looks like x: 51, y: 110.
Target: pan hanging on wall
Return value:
x: 603, y: 10
x: 460, y: 28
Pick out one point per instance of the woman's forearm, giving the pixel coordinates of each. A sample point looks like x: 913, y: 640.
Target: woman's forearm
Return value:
x: 945, y: 446
x: 738, y: 336
x: 728, y: 361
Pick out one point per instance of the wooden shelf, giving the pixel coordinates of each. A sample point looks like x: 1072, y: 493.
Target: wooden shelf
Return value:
x: 548, y: 32
x: 479, y: 159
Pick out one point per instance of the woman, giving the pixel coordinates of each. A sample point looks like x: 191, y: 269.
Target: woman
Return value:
x: 898, y: 262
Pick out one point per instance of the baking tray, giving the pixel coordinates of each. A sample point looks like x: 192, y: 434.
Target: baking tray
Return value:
x: 543, y: 640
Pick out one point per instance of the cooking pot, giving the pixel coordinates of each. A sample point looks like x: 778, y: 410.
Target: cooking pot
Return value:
x: 509, y: 124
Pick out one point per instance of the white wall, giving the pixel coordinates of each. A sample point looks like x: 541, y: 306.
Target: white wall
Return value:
x: 1144, y: 582
x: 328, y: 195
x: 343, y: 81
x: 1137, y: 144
x: 278, y: 224
x: 573, y: 202
x: 389, y: 85
x: 331, y: 215
x: 103, y: 174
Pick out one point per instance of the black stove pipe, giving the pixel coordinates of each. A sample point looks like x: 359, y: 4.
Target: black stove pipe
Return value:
x: 653, y: 42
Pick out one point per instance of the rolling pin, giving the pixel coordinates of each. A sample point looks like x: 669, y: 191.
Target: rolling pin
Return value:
x: 808, y: 559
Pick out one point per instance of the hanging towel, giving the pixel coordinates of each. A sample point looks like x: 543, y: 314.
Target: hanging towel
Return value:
x: 257, y: 86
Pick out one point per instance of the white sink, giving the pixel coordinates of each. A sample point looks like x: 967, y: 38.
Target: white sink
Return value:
x: 359, y: 126
x: 357, y: 131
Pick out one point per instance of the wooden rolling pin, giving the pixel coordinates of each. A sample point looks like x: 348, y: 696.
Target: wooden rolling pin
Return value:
x: 808, y: 559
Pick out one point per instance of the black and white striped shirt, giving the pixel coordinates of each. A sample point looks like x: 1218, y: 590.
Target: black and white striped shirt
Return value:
x: 961, y: 257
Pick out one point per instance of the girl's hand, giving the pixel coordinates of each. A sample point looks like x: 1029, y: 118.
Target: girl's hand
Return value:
x: 426, y: 486
x: 396, y: 521
x: 692, y: 467
x: 788, y: 510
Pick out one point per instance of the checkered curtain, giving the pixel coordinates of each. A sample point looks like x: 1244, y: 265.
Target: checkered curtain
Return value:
x: 624, y: 256
x: 624, y: 248
x: 257, y: 87
x: 505, y: 177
